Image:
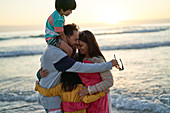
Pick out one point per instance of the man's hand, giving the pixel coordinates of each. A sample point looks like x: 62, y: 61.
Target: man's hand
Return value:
x: 43, y: 73
x: 114, y: 63
x: 83, y: 92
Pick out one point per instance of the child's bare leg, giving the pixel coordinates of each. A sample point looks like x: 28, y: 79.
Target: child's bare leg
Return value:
x: 65, y: 47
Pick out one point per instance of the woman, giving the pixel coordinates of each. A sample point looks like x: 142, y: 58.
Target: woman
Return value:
x: 89, y: 52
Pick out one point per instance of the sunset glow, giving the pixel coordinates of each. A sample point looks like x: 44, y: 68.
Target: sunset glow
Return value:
x: 19, y: 12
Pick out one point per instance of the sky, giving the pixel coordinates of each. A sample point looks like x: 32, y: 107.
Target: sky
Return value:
x: 36, y: 12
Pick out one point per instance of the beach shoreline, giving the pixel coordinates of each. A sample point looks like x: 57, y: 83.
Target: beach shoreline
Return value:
x: 143, y: 87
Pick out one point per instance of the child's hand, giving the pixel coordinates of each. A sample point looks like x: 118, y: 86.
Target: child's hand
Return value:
x: 37, y: 82
x: 36, y: 85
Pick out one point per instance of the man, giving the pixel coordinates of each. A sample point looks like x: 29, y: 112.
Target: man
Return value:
x: 56, y: 61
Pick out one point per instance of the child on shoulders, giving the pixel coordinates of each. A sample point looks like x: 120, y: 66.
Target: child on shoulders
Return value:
x: 54, y: 31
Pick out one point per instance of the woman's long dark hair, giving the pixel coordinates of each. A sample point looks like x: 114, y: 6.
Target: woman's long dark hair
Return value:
x: 93, y: 47
x: 70, y: 81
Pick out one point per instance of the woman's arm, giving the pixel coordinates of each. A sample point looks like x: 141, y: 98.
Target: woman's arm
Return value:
x: 105, y: 84
x: 106, y: 76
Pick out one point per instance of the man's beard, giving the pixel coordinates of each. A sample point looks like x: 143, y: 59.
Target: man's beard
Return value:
x: 74, y: 46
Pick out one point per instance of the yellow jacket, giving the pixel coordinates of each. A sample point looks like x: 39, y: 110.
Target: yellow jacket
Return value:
x: 72, y: 96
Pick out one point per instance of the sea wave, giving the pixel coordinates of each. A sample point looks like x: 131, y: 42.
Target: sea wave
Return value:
x: 118, y: 101
x: 15, y: 97
x: 128, y: 103
x: 136, y: 46
x: 34, y: 51
x: 19, y: 53
x: 24, y: 37
x: 123, y: 31
x: 135, y: 31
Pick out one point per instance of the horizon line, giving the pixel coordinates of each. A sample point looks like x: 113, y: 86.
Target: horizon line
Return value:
x: 120, y: 22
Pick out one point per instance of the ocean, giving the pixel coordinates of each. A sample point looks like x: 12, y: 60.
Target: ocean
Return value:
x: 143, y: 87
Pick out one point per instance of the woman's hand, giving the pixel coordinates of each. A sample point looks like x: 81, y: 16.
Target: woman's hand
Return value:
x: 43, y: 73
x: 106, y: 91
x: 83, y: 92
x: 74, y: 53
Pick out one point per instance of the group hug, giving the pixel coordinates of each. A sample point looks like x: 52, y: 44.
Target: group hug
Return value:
x: 74, y: 75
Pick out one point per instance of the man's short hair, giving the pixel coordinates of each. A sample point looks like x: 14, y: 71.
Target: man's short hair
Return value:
x: 69, y: 28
